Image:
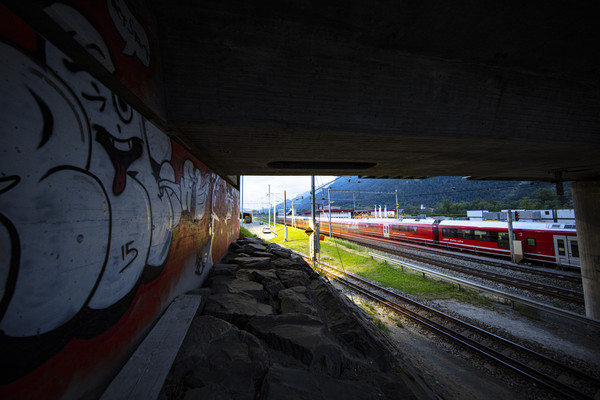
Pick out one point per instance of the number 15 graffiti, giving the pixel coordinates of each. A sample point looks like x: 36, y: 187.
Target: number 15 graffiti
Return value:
x: 125, y: 251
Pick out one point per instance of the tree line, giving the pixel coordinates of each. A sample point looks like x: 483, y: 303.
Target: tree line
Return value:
x: 541, y: 199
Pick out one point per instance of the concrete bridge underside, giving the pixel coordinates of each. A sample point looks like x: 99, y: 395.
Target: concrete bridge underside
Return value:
x: 393, y: 89
x: 386, y: 89
x: 491, y: 90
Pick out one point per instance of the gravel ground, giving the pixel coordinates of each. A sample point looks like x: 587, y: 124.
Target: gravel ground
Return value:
x: 455, y: 373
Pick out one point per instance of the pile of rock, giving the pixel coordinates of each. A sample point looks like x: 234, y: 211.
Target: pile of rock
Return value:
x: 272, y: 328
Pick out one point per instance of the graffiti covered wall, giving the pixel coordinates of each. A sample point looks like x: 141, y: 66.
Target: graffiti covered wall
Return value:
x: 103, y: 218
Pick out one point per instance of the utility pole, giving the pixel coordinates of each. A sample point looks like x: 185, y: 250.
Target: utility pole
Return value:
x: 314, y: 236
x: 285, y: 234
x: 242, y: 198
x: 293, y: 215
x: 329, y: 199
x: 510, y: 235
x: 269, y: 221
x: 397, y: 205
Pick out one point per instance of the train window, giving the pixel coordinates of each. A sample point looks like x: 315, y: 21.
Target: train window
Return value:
x: 471, y: 234
x: 405, y: 228
x: 574, y: 249
x: 457, y: 233
x: 561, y: 247
x: 503, y: 242
x: 479, y: 235
x: 530, y: 242
x: 447, y: 232
x: 492, y: 236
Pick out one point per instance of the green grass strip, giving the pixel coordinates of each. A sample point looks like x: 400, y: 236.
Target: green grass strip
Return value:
x: 246, y: 233
x: 356, y: 260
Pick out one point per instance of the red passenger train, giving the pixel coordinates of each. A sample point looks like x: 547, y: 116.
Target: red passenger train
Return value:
x: 547, y: 242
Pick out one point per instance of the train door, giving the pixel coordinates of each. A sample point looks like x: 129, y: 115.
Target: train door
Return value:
x: 566, y: 250
x: 436, y: 231
x: 386, y: 231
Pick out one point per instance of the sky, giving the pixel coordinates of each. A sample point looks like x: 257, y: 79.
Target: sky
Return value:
x: 255, y: 188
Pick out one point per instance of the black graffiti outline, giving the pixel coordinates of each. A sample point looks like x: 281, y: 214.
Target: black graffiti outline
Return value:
x: 13, y: 181
x: 75, y: 98
x: 98, y: 97
x: 117, y: 103
x: 15, y: 259
x: 47, y: 118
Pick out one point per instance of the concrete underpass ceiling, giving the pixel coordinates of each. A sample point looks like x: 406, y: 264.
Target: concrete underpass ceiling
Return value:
x: 492, y: 90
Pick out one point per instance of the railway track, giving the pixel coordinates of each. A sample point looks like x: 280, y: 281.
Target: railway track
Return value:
x: 536, y: 287
x: 546, y: 372
x: 524, y: 284
x: 453, y: 253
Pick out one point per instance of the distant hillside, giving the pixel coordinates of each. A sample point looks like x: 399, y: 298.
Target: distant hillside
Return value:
x: 439, y: 192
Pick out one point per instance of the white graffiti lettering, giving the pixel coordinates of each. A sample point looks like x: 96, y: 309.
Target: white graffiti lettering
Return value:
x: 132, y: 32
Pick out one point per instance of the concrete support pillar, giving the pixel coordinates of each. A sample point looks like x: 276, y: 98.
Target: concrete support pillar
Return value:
x: 586, y: 201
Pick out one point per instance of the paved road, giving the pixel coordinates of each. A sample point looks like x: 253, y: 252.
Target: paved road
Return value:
x: 256, y: 227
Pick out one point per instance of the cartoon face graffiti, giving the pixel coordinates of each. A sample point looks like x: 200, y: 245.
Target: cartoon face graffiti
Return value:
x: 97, y: 207
x: 116, y: 132
x: 103, y: 219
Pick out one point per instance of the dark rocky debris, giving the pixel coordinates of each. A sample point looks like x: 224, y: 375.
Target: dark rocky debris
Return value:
x: 272, y: 328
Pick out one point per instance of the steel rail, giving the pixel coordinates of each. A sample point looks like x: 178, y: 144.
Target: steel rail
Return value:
x: 514, y: 365
x: 475, y: 286
x: 548, y: 290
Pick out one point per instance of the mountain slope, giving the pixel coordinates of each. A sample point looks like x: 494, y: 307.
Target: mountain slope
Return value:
x: 354, y: 193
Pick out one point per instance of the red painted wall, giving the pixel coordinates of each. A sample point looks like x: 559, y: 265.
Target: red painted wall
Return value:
x: 104, y: 219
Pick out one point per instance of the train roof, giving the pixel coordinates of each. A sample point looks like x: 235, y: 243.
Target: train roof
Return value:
x: 457, y: 223
x: 503, y: 224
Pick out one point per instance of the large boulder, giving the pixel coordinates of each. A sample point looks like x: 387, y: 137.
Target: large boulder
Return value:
x: 254, y: 262
x: 223, y: 269
x: 293, y: 277
x: 307, y: 339
x: 236, y: 308
x: 295, y: 301
x: 351, y: 326
x: 217, y: 361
